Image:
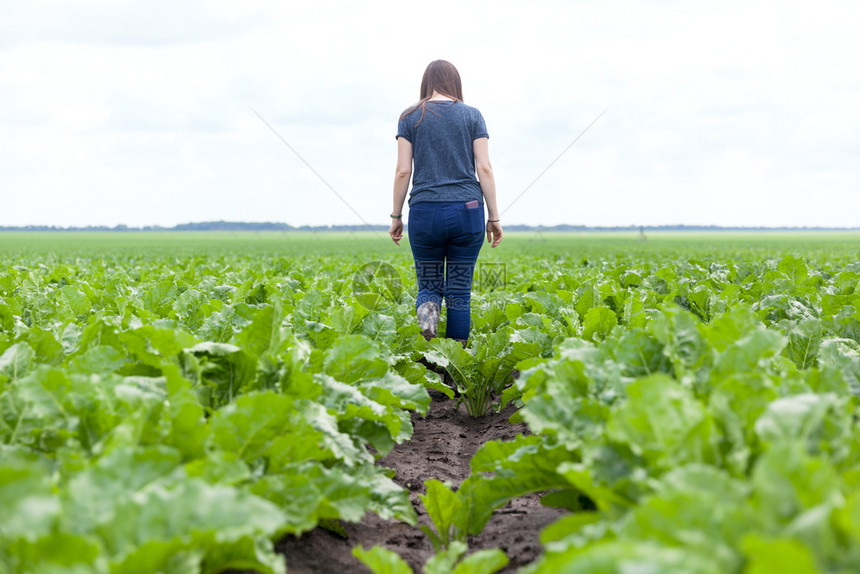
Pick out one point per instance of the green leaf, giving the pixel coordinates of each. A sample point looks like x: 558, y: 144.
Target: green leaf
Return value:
x: 381, y: 561
x: 310, y: 492
x: 529, y: 466
x: 354, y: 358
x: 443, y: 506
x: 99, y: 359
x: 558, y: 407
x: 768, y: 555
x: 482, y: 562
x: 696, y: 507
x: 395, y: 391
x: 16, y: 361
x: 55, y: 553
x: 804, y: 342
x: 224, y: 369
x: 189, y: 308
x: 623, y: 556
x: 189, y: 514
x: 795, y: 268
x: 443, y: 562
x: 437, y: 543
x: 7, y: 319
x: 586, y: 299
x: 821, y: 422
x: 451, y: 356
x: 72, y: 301
x: 152, y: 345
x: 736, y: 402
x: 264, y: 424
x: 331, y: 439
x: 350, y: 403
x: 28, y: 507
x: 725, y: 331
x: 568, y: 499
x: 257, y: 337
x: 219, y: 467
x: 664, y: 424
x: 184, y: 417
x: 677, y: 331
x: 701, y: 299
x: 45, y: 345
x: 848, y: 516
x: 416, y: 373
x: 49, y: 408
x: 634, y: 313
x: 349, y: 318
x: 568, y: 525
x: 788, y: 482
x: 639, y: 354
x: 599, y: 321
x: 499, y: 354
x: 96, y: 495
x: 600, y: 483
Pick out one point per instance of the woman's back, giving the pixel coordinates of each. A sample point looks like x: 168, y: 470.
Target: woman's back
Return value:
x: 442, y: 133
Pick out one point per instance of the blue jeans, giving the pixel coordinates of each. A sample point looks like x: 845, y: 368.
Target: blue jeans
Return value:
x: 446, y: 238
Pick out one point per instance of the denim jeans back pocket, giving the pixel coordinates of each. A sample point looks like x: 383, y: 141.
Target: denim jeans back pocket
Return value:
x: 421, y: 222
x: 473, y: 222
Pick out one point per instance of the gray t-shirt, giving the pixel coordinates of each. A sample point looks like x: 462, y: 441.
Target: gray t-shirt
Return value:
x: 442, y: 152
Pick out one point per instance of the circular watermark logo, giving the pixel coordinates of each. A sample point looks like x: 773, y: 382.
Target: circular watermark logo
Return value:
x: 377, y: 284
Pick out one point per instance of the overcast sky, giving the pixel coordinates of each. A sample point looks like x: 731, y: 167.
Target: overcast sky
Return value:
x: 724, y: 113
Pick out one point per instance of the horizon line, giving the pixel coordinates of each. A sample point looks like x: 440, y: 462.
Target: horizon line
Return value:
x: 222, y: 225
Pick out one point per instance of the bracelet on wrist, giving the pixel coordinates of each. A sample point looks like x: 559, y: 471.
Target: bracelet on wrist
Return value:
x: 396, y: 216
x: 493, y: 220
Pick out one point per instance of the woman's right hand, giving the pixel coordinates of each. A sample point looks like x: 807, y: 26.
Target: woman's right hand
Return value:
x: 494, y: 232
x: 396, y: 230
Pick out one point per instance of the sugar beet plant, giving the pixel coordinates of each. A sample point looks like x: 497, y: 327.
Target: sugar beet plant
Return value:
x: 450, y: 518
x: 485, y: 368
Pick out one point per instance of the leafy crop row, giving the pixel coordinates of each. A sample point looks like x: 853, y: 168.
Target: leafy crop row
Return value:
x: 699, y: 417
x: 164, y: 415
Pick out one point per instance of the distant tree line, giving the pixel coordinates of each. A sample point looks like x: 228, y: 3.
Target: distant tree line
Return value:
x: 272, y: 226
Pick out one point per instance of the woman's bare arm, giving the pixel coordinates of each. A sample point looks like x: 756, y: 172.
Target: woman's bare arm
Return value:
x: 402, y: 175
x: 488, y: 188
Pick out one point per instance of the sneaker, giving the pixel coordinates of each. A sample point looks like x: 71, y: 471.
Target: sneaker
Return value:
x: 428, y: 319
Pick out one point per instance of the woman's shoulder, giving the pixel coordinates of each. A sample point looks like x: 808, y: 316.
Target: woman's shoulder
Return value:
x: 472, y: 111
x: 410, y: 110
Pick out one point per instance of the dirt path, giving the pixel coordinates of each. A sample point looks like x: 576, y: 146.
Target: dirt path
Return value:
x: 441, y: 447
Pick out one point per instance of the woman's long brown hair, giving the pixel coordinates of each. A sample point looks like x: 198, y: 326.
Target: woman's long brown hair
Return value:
x: 442, y: 77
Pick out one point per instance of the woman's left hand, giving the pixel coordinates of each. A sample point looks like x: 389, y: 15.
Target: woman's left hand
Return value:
x: 494, y: 233
x: 396, y: 230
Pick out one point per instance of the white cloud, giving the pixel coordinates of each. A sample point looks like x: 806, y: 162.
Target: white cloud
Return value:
x: 127, y: 22
x: 731, y: 113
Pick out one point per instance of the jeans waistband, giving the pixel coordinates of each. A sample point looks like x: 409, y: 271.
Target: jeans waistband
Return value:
x: 443, y: 203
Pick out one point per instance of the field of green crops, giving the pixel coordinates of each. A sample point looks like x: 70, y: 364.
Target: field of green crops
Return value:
x: 180, y: 402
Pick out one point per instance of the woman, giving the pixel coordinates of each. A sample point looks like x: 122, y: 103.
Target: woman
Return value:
x: 446, y: 141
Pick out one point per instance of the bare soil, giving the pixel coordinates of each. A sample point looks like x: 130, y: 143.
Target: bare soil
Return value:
x: 441, y: 447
